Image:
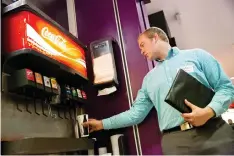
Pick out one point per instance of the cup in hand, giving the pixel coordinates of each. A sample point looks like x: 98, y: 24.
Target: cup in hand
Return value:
x: 84, y: 131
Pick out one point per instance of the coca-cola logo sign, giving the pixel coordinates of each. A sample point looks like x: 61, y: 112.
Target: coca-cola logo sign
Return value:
x: 56, y: 39
x: 52, y: 42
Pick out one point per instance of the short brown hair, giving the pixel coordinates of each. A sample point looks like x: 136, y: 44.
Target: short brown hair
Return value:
x: 150, y: 32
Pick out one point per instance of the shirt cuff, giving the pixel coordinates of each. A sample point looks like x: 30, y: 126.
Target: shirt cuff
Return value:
x: 217, y: 108
x: 106, y: 124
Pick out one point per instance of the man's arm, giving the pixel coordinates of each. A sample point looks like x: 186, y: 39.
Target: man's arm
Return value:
x: 133, y: 116
x: 218, y: 80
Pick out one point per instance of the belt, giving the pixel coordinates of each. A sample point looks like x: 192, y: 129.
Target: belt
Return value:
x: 183, y: 127
x: 187, y: 126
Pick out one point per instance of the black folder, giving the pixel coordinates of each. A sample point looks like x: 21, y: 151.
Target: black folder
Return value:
x: 187, y: 87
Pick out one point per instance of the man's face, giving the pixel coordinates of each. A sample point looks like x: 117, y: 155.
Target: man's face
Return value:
x: 148, y: 47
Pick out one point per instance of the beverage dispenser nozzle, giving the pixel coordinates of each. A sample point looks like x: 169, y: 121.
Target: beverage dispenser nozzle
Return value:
x: 59, y: 113
x: 27, y: 109
x: 75, y: 114
x: 35, y: 105
x: 70, y: 114
x: 42, y: 106
x: 27, y: 101
x: 65, y: 116
x: 17, y: 107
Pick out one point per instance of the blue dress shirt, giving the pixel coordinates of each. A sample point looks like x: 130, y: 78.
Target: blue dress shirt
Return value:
x: 156, y: 84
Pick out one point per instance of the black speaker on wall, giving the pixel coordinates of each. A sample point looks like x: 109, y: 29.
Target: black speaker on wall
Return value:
x: 147, y: 1
x: 158, y: 20
x: 172, y: 41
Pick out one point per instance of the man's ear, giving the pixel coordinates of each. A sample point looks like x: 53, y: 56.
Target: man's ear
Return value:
x: 156, y: 37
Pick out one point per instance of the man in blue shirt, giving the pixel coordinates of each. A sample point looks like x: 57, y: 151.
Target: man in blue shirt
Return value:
x: 200, y: 132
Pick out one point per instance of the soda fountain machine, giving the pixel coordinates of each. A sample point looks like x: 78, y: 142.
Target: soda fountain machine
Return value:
x: 46, y: 63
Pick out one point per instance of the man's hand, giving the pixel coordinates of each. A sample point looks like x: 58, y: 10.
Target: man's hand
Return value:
x: 198, y: 116
x: 94, y: 125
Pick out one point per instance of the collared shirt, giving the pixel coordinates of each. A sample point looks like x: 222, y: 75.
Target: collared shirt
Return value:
x: 156, y: 84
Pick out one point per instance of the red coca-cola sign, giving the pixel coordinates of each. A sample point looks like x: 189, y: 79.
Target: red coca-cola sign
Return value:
x: 27, y: 30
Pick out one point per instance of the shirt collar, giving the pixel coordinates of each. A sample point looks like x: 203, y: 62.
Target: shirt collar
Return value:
x: 172, y: 52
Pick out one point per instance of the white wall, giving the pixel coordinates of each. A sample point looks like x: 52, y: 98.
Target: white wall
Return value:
x: 207, y: 24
